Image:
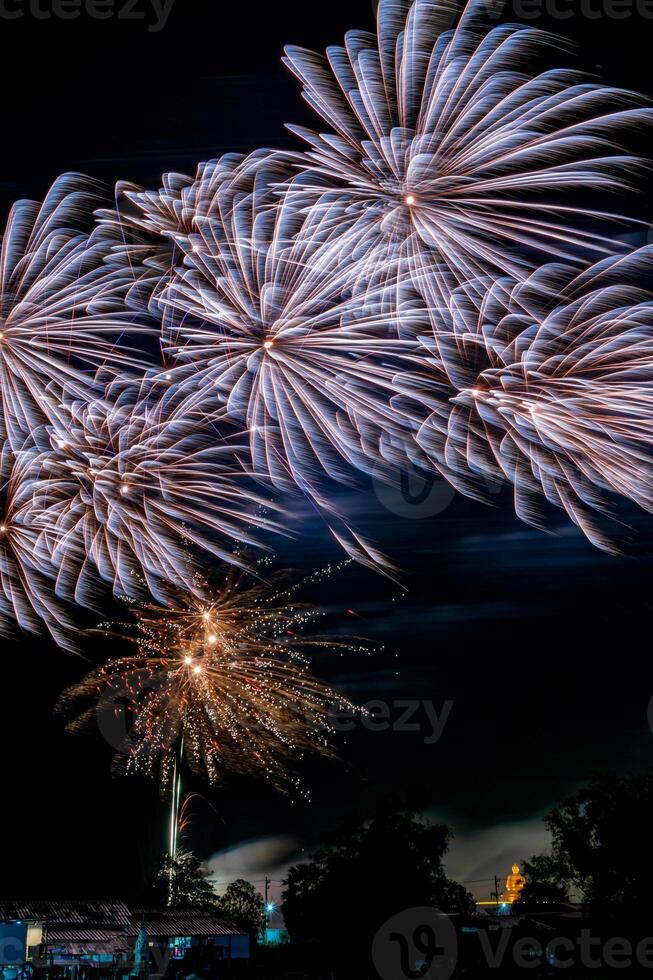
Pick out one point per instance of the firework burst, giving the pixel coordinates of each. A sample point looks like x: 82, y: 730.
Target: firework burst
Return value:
x: 130, y: 488
x: 170, y: 212
x: 549, y: 388
x: 262, y: 320
x: 62, y: 312
x: 452, y: 149
x: 227, y: 677
x: 380, y: 300
x: 27, y: 575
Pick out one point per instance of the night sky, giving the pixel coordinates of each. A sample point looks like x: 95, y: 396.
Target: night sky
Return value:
x: 541, y: 642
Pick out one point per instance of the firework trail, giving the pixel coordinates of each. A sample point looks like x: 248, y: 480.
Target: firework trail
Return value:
x: 453, y: 150
x: 186, y: 812
x: 227, y: 675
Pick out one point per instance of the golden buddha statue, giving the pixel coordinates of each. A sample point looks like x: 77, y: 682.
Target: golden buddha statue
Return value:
x: 514, y: 885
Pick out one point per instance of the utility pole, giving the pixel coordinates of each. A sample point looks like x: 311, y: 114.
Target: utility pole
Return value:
x: 267, y: 913
x: 496, y: 890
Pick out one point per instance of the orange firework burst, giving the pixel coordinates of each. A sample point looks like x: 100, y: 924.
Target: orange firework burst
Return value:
x: 225, y: 677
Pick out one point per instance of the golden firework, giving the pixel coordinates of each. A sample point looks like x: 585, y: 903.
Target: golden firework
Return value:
x: 225, y: 676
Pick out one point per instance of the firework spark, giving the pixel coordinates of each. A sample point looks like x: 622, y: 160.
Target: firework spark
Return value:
x: 226, y: 676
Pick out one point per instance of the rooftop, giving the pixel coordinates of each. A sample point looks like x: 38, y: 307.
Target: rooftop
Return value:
x: 180, y: 922
x: 66, y: 913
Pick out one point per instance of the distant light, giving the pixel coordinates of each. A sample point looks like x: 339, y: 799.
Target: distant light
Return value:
x: 168, y: 376
x: 206, y: 616
x: 268, y: 344
x: 197, y: 669
x: 3, y: 528
x: 124, y: 489
x: 270, y: 907
x: 212, y: 638
x: 410, y: 199
x: 188, y: 661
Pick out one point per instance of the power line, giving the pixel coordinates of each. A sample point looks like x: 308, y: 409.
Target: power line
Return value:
x: 475, y: 881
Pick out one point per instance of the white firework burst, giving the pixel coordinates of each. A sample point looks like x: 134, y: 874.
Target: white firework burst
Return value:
x: 62, y: 312
x: 132, y: 490
x: 549, y: 388
x: 27, y: 575
x: 450, y: 149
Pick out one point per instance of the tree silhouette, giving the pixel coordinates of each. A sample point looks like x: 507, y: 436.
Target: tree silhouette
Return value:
x: 547, y: 882
x: 601, y: 846
x: 242, y: 904
x: 183, y: 882
x: 369, y: 873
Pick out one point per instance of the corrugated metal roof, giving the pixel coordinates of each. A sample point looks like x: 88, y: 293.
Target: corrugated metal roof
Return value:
x: 164, y: 923
x: 75, y: 912
x: 89, y: 922
x: 57, y: 936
